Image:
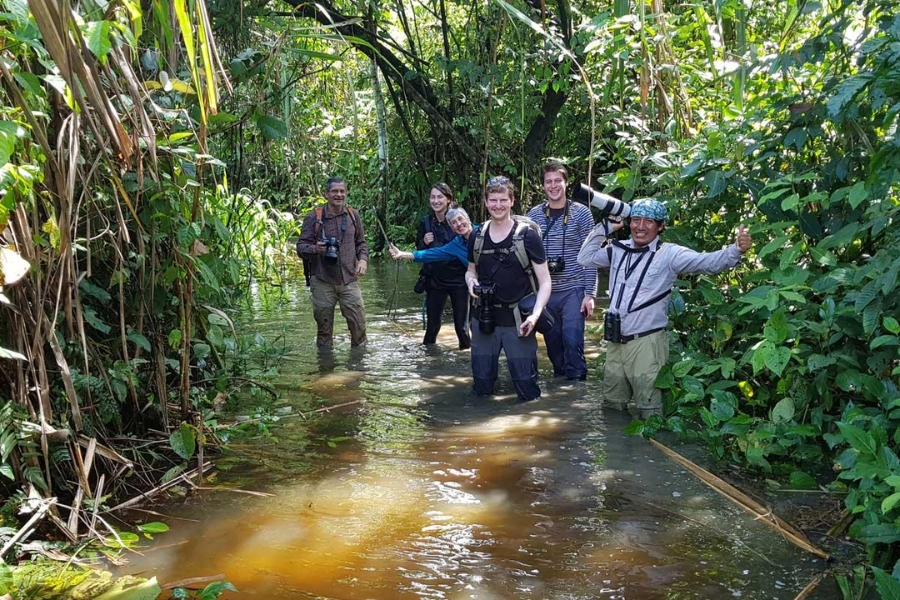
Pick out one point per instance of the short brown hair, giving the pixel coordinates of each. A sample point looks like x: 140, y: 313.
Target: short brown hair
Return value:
x: 554, y: 166
x: 500, y: 184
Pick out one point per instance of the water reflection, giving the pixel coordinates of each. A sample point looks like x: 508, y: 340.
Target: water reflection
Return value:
x: 429, y: 492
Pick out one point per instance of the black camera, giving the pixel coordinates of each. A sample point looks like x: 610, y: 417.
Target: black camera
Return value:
x: 332, y: 250
x: 486, y: 322
x: 421, y: 284
x: 606, y: 204
x: 612, y: 327
x: 556, y: 265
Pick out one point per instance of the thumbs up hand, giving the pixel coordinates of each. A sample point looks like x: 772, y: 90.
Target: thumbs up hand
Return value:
x: 743, y: 241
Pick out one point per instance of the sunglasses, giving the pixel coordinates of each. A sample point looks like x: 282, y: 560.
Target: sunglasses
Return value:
x: 498, y: 180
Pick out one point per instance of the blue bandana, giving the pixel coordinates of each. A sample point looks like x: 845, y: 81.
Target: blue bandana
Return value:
x: 650, y: 209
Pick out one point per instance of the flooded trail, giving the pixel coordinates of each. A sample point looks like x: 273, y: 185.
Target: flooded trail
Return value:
x: 417, y: 489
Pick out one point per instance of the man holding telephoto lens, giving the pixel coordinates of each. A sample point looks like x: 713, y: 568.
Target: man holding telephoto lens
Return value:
x: 565, y: 226
x: 334, y: 252
x: 508, y: 278
x: 642, y: 273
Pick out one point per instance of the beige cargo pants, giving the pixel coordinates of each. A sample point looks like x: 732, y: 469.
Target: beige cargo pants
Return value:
x: 630, y: 373
x: 324, y: 298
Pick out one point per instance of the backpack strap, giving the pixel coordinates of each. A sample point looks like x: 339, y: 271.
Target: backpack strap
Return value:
x: 320, y: 210
x: 479, y: 242
x: 522, y: 254
x: 518, y: 248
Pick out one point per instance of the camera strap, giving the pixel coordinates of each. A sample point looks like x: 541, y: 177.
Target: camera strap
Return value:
x: 629, y: 270
x: 551, y: 223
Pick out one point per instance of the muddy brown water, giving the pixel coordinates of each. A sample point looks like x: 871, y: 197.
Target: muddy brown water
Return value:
x: 437, y: 494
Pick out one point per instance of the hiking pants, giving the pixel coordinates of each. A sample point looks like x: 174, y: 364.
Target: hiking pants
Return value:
x: 630, y: 374
x: 521, y: 360
x: 434, y: 309
x: 324, y: 297
x: 565, y: 341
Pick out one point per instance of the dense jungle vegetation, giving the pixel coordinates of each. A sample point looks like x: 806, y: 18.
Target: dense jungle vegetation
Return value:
x: 154, y: 157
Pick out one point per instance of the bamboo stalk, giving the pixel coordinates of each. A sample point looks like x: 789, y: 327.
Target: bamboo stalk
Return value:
x: 787, y: 531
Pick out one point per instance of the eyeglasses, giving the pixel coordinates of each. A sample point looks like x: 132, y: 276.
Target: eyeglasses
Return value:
x: 498, y: 180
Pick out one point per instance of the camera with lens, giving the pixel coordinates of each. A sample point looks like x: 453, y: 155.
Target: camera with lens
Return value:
x: 612, y: 207
x: 486, y: 322
x: 332, y: 249
x: 612, y: 327
x: 421, y: 283
x: 556, y: 265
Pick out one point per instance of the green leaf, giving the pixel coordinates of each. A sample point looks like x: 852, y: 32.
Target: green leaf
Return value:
x: 89, y: 289
x: 776, y: 328
x: 8, y: 134
x: 11, y: 354
x: 175, y: 338
x: 139, y: 340
x: 888, y: 587
x: 128, y: 590
x: 796, y: 137
x: 761, y: 356
x: 716, y: 181
x: 890, y: 502
x: 778, y: 360
x: 772, y: 246
x: 866, y: 295
x: 97, y: 38
x: 861, y: 441
x: 272, y: 128
x: 857, y: 194
x: 90, y: 315
x: 803, y: 481
x: 891, y: 324
x: 172, y: 473
x: 153, y: 527
x: 817, y: 362
x: 844, y: 94
x: 884, y: 340
x: 183, y: 441
x: 6, y: 578
x: 783, y: 411
x: 721, y: 409
x: 201, y: 351
x: 791, y: 202
x: 879, y: 534
x: 634, y: 428
x: 215, y: 589
x: 682, y: 368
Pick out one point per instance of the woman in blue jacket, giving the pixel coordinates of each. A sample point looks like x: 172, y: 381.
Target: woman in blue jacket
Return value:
x: 445, y: 256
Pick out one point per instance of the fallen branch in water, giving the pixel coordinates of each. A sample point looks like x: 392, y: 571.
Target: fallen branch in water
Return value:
x: 787, y: 531
x: 806, y: 591
x: 28, y: 527
x: 328, y: 408
x: 192, y: 581
x: 160, y: 488
x: 235, y: 490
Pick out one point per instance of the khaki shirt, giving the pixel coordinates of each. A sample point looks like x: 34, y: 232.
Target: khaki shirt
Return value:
x: 343, y: 227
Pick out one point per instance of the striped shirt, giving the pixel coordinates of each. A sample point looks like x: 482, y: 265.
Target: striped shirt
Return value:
x: 579, y: 225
